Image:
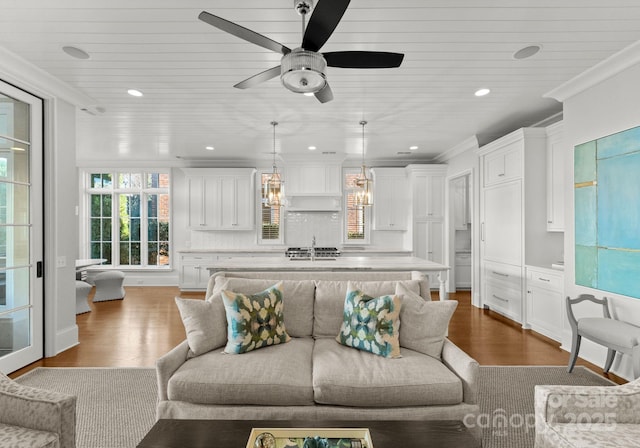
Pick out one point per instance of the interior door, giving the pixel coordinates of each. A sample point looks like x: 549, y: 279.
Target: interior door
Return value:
x: 21, y: 229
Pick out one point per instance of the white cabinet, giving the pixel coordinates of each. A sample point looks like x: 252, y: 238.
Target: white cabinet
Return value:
x: 427, y: 185
x: 193, y: 271
x: 313, y: 179
x: 463, y: 270
x: 545, y: 301
x: 390, y: 199
x: 513, y: 227
x: 555, y: 178
x: 428, y: 243
x: 221, y: 199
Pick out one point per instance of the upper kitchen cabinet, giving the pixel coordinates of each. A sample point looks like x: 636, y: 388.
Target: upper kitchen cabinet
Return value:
x: 313, y: 179
x: 555, y: 178
x: 390, y: 199
x: 502, y: 165
x: 427, y: 188
x: 221, y: 198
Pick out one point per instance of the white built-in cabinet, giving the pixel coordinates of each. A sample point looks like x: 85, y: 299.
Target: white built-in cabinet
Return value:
x: 545, y: 301
x: 220, y: 198
x: 390, y: 199
x: 313, y: 179
x: 461, y: 211
x: 427, y: 212
x: 555, y: 178
x: 513, y: 227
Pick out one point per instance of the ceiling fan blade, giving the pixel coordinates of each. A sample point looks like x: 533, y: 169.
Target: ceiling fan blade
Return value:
x: 363, y: 59
x: 324, y: 19
x: 325, y: 95
x: 260, y: 77
x: 243, y: 33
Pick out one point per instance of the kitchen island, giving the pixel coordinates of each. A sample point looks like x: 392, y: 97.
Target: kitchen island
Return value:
x: 339, y: 264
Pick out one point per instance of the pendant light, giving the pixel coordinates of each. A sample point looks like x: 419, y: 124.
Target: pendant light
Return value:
x: 273, y: 188
x: 364, y: 194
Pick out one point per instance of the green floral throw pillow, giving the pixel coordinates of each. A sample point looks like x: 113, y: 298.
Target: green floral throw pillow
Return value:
x: 371, y: 324
x: 254, y: 321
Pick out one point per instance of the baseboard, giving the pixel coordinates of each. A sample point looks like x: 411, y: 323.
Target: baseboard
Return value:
x: 66, y: 339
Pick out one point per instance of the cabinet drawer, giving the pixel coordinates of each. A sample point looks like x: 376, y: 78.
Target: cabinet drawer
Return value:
x: 544, y: 280
x: 505, y: 300
x: 507, y: 275
x: 195, y: 259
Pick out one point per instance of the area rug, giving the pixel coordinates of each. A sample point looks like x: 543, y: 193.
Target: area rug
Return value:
x: 116, y: 406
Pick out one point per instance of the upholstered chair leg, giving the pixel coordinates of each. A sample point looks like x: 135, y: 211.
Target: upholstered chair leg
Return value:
x: 575, y: 348
x: 611, y: 354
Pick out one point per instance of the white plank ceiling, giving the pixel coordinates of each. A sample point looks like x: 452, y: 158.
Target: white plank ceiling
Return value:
x: 186, y: 70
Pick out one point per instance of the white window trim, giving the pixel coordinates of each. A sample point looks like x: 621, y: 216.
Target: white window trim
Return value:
x: 345, y: 224
x: 84, y: 215
x: 259, y: 240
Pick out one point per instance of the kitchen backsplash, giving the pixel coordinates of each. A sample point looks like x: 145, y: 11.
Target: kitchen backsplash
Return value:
x: 301, y: 227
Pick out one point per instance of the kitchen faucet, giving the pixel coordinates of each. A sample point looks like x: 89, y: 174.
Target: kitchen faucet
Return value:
x: 313, y: 248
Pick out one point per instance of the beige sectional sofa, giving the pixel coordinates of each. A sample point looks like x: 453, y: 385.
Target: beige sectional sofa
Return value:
x: 312, y: 376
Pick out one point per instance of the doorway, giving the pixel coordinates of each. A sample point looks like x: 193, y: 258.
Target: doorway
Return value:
x: 460, y: 231
x: 21, y: 229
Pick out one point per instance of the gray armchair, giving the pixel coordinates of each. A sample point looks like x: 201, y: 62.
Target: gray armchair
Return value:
x: 31, y: 417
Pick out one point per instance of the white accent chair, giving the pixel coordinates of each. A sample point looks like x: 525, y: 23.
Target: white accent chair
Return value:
x: 82, y: 292
x: 616, y: 335
x: 35, y: 418
x: 109, y: 286
x: 585, y: 417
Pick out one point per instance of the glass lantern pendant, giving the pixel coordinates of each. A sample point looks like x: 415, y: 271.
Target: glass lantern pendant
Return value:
x: 364, y: 195
x: 273, y: 188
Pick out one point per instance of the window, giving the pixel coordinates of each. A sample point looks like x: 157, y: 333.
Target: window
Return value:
x: 270, y: 225
x: 357, y: 218
x: 128, y: 218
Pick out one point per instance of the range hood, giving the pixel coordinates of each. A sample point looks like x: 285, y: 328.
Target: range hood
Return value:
x: 314, y: 203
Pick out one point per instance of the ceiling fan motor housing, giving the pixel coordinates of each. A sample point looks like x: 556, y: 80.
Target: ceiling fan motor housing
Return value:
x: 303, y: 71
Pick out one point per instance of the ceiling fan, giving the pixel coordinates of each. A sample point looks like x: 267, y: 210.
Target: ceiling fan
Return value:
x: 302, y: 70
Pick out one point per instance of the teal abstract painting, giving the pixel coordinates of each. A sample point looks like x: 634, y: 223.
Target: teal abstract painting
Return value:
x: 607, y: 213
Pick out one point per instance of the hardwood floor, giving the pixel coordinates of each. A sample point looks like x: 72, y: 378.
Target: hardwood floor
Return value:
x: 134, y: 332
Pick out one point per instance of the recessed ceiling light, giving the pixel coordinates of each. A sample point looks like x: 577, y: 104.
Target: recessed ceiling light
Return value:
x: 527, y: 52
x: 482, y: 92
x: 75, y: 52
x: 134, y: 92
x: 413, y: 148
x: 209, y: 148
x: 312, y: 148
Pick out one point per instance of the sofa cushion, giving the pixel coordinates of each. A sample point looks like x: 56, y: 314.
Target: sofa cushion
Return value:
x: 297, y: 296
x: 424, y: 324
x: 371, y: 324
x: 19, y: 437
x: 347, y: 377
x: 278, y: 375
x: 329, y: 304
x: 204, y: 323
x: 254, y: 320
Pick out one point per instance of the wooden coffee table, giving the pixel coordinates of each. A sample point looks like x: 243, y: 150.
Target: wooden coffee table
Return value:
x: 235, y: 433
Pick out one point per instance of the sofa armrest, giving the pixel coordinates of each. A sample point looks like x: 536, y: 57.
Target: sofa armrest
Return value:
x: 166, y: 366
x: 597, y: 404
x: 38, y: 409
x: 465, y: 367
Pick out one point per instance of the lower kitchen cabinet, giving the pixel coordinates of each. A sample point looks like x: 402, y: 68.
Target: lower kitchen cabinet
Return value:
x: 502, y: 289
x: 194, y: 275
x: 545, y: 301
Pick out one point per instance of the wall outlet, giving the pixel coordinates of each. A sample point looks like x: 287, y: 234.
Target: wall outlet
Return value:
x: 61, y: 262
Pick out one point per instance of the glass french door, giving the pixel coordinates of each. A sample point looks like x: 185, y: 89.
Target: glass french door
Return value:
x: 21, y: 229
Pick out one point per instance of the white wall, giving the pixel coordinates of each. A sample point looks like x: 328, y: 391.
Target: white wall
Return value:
x: 606, y: 108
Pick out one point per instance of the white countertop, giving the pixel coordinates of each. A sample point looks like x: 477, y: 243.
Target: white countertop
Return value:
x: 281, y: 250
x: 335, y: 264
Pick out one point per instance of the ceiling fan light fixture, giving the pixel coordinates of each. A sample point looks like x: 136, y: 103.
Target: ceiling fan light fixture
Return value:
x: 303, y: 71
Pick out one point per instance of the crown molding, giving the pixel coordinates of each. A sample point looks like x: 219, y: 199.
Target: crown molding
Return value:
x: 27, y: 76
x: 622, y: 60
x: 469, y: 144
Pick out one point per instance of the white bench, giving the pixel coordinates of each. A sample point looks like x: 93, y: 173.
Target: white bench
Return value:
x: 614, y: 334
